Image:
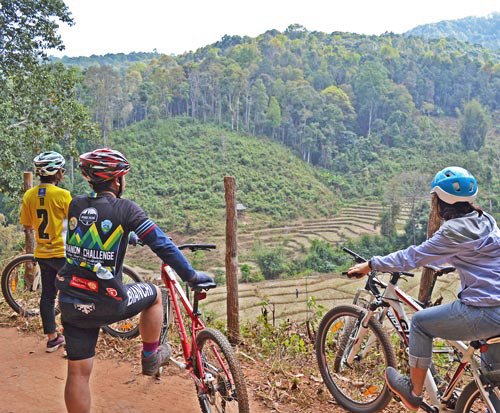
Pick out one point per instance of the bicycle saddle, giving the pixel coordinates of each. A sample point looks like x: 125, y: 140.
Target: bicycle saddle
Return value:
x: 204, y: 286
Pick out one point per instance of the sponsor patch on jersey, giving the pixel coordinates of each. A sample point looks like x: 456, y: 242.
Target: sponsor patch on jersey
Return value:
x: 85, y: 308
x: 113, y: 293
x: 106, y: 225
x: 83, y: 283
x: 88, y: 216
x: 73, y: 222
x: 42, y: 191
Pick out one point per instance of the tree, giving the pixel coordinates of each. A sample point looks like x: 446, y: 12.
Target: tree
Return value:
x: 38, y: 106
x: 474, y: 125
x: 370, y: 86
x: 274, y: 114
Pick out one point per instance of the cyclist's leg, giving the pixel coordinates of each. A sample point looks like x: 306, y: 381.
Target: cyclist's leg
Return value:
x: 451, y: 321
x: 151, y: 320
x: 80, y: 347
x: 77, y: 389
x: 49, y: 268
x: 147, y: 299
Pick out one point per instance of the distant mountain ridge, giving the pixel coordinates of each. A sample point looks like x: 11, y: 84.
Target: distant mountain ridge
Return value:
x: 477, y: 30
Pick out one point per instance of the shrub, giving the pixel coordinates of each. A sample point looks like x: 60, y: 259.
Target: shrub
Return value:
x: 271, y: 261
x: 248, y: 276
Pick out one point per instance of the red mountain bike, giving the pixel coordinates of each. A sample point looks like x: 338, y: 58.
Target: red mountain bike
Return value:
x: 208, y: 356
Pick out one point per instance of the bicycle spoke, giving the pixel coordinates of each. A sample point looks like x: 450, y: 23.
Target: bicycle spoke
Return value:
x: 353, y: 360
x: 21, y: 285
x: 225, y: 391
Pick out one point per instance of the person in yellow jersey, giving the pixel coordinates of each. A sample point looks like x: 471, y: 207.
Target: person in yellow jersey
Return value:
x: 44, y: 209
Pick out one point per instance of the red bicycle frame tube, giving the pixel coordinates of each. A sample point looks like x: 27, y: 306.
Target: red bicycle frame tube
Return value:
x: 190, y: 351
x: 175, y: 289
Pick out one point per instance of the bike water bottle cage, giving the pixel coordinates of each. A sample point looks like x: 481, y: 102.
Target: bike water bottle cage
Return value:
x: 454, y: 184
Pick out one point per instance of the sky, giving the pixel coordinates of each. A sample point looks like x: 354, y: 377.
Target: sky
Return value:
x: 178, y: 26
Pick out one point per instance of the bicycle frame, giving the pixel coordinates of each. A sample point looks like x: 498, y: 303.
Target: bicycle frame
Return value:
x: 190, y: 351
x: 392, y: 302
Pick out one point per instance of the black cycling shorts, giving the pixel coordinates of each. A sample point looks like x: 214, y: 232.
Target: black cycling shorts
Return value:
x: 82, y: 321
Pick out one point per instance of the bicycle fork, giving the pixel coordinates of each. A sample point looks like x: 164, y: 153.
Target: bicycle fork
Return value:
x: 360, y: 334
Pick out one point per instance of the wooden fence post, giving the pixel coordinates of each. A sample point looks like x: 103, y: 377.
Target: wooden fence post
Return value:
x: 233, y: 323
x: 29, y: 234
x: 432, y: 226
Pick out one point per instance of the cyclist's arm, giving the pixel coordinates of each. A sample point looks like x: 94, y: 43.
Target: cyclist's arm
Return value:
x: 149, y: 233
x: 25, y: 217
x: 66, y: 200
x: 436, y: 250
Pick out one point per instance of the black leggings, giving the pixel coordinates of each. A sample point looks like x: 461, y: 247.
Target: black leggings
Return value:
x: 49, y: 268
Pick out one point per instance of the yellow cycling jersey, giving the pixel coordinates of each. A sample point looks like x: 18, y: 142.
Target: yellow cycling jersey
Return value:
x: 45, y: 207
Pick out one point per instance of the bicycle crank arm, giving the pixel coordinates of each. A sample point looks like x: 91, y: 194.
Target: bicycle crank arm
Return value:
x: 179, y: 364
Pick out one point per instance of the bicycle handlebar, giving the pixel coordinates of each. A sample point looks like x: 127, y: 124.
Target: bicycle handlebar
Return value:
x: 196, y: 247
x: 357, y: 258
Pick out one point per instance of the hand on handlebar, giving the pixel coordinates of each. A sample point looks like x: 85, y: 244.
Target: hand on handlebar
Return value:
x: 358, y: 270
x: 200, y: 278
x: 133, y: 239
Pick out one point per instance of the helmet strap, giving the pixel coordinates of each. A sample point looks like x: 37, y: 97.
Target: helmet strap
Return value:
x: 121, y: 187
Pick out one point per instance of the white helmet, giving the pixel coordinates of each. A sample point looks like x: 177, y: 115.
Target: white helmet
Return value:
x: 48, y: 163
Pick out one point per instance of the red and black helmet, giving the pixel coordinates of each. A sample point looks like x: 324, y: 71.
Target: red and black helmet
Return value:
x: 103, y: 165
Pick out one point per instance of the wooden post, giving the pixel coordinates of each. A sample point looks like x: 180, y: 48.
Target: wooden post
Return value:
x: 432, y: 226
x: 29, y: 236
x: 233, y: 323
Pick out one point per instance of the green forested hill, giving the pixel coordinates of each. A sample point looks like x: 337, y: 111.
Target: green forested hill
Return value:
x: 476, y: 30
x: 178, y: 166
x: 363, y: 110
x: 312, y: 91
x: 178, y: 169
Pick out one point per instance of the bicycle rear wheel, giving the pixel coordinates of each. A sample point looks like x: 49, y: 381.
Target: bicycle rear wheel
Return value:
x: 358, y: 386
x: 128, y: 328
x: 22, y: 285
x: 225, y: 389
x: 470, y: 400
x: 167, y: 314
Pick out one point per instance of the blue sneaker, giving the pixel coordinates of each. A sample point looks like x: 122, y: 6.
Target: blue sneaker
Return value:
x: 402, y: 387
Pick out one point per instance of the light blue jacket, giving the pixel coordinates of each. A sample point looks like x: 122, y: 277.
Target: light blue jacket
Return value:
x: 471, y: 244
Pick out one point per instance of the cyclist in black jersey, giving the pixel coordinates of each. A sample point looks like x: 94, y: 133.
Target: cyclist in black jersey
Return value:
x: 91, y: 290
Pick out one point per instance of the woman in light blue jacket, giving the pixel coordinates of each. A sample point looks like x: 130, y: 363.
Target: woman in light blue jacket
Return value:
x: 469, y: 239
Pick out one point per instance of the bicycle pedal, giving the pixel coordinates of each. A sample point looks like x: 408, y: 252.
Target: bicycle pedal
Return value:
x: 182, y: 366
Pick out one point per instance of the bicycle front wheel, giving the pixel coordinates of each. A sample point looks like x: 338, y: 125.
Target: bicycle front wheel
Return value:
x: 352, y: 360
x: 225, y: 389
x: 470, y: 400
x: 22, y: 285
x: 128, y: 328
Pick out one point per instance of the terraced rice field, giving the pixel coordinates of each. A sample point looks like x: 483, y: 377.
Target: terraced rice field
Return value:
x: 288, y: 298
x: 351, y: 222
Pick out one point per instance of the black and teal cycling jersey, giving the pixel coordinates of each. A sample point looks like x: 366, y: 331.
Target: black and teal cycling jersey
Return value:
x: 98, y: 230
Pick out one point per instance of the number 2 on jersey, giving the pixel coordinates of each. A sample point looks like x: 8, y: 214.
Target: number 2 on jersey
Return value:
x: 43, y: 214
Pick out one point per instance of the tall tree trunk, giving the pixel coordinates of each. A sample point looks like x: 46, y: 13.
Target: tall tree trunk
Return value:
x: 432, y: 226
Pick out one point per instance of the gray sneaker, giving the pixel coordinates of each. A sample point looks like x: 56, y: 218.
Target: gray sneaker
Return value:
x: 402, y: 387
x: 151, y: 365
x: 53, y: 345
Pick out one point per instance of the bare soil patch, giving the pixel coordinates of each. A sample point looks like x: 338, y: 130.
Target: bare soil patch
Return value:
x: 33, y: 381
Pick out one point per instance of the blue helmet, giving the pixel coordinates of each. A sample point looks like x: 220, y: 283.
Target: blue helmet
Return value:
x: 454, y: 184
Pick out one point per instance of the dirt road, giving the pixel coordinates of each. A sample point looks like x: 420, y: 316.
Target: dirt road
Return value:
x: 32, y: 380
